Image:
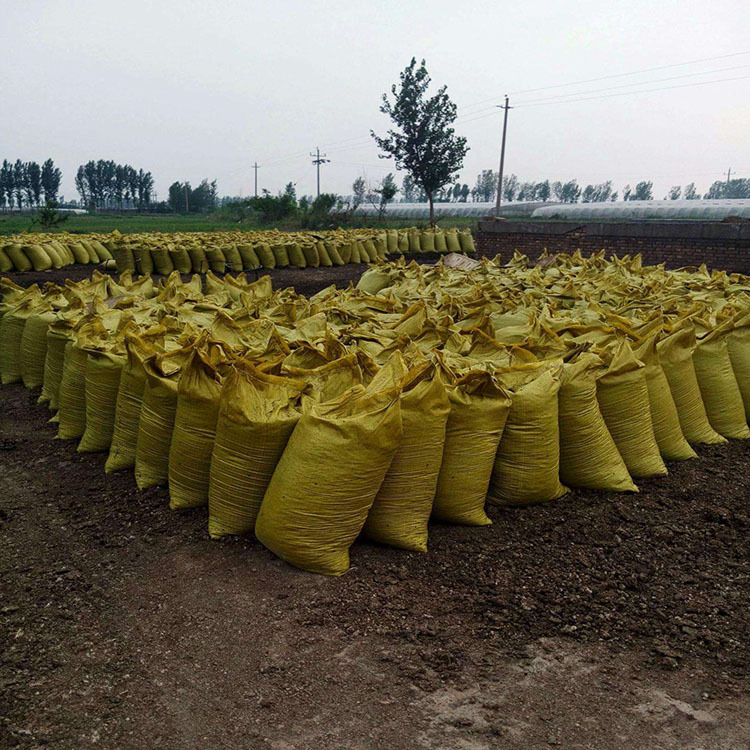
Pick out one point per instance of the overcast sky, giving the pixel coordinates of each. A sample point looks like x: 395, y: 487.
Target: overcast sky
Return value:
x: 190, y: 90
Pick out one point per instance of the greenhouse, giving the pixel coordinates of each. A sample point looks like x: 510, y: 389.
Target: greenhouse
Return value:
x: 705, y: 210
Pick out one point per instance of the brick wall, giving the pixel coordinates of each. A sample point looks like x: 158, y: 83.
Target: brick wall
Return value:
x: 724, y: 245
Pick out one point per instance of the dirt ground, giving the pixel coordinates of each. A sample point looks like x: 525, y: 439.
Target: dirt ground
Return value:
x: 599, y: 621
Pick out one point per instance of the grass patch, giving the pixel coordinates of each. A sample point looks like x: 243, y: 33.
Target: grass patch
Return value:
x: 134, y: 223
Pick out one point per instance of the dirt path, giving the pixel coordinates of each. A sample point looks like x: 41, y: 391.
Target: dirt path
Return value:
x: 595, y: 622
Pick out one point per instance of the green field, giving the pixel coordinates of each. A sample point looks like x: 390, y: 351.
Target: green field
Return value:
x: 132, y: 223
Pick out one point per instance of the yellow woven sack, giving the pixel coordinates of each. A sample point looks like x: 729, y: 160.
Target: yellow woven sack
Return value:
x: 588, y: 454
x: 157, y: 419
x: 54, y: 255
x: 72, y: 396
x: 217, y: 261
x: 296, y: 256
x: 402, y: 507
x: 12, y: 325
x: 33, y: 350
x: 54, y: 366
x: 181, y: 259
x: 163, y: 263
x: 281, y: 255
x: 194, y: 431
x: 738, y: 343
x: 330, y: 380
x: 198, y: 259
x: 319, y: 496
x: 144, y: 262
x: 40, y: 260
x: 266, y: 255
x: 6, y: 264
x: 427, y: 242
x: 122, y: 253
x: 16, y: 254
x: 466, y: 241
x: 664, y: 416
x: 718, y: 385
x: 371, y: 252
x: 128, y: 408
x: 249, y: 256
x: 234, y: 259
x: 333, y: 254
x: 325, y: 259
x: 479, y: 408
x: 310, y: 251
x: 257, y: 413
x: 676, y: 357
x: 103, y: 370
x: 373, y: 280
x: 527, y: 465
x: 381, y: 245
x: 622, y: 393
x: 452, y: 242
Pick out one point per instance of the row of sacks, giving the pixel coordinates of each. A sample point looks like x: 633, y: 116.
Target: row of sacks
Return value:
x: 233, y: 252
x: 442, y: 389
x: 220, y: 252
x: 43, y: 252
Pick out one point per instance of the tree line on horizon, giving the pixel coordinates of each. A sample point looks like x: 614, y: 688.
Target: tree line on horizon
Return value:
x: 515, y: 191
x: 27, y: 184
x: 105, y: 184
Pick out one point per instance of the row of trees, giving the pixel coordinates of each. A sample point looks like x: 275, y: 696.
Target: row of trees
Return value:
x: 185, y: 199
x: 25, y: 184
x: 515, y: 191
x: 106, y: 184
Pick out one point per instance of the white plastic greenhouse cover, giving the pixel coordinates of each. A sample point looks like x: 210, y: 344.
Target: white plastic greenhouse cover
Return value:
x: 422, y: 210
x: 706, y: 210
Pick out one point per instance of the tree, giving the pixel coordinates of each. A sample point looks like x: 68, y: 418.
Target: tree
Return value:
x: 19, y: 182
x: 543, y: 191
x: 386, y: 192
x: 49, y: 217
x: 424, y: 142
x: 359, y: 188
x: 179, y: 197
x: 510, y: 188
x: 674, y: 193
x: 50, y: 177
x: 626, y: 193
x: 738, y: 188
x: 7, y: 184
x: 33, y: 183
x: 486, y: 187
x: 566, y: 192
x: 597, y: 193
x: 690, y: 193
x: 643, y: 191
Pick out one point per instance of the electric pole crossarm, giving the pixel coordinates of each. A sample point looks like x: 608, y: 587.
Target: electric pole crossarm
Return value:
x: 318, y: 160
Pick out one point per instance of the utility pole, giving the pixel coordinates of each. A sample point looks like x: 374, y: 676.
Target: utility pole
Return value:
x: 729, y: 174
x: 502, y: 158
x: 318, y: 160
x: 256, y: 167
x: 187, y: 207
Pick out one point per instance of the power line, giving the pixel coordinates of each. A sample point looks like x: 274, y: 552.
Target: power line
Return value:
x: 605, y: 78
x: 642, y: 91
x: 632, y: 73
x: 630, y: 85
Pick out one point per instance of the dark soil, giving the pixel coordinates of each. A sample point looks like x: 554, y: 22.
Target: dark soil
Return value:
x: 597, y: 621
